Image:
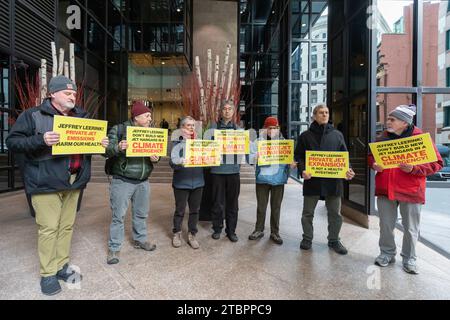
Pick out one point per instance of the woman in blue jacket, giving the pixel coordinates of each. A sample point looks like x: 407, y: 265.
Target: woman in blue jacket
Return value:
x: 270, y: 181
x: 187, y: 186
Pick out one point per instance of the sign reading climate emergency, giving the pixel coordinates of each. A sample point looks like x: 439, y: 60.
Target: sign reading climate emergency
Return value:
x: 146, y: 142
x: 79, y: 135
x: 412, y: 150
x: 275, y: 152
x: 202, y: 153
x: 233, y: 141
x: 327, y: 164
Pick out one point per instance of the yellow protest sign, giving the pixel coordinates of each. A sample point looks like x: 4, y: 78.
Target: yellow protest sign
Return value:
x: 79, y: 135
x: 145, y: 142
x: 275, y: 152
x: 327, y: 164
x: 413, y: 150
x: 202, y: 153
x: 233, y: 141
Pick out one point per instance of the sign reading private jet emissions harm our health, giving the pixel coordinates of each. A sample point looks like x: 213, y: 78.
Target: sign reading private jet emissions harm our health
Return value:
x: 79, y: 135
x: 413, y: 150
x: 233, y: 141
x: 202, y: 153
x: 145, y: 142
x: 275, y: 152
x: 327, y: 164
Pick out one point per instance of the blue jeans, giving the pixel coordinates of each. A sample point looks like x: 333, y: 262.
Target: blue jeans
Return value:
x: 120, y: 194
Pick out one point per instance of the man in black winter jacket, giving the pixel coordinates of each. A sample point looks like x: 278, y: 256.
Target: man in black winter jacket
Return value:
x: 54, y: 182
x: 321, y: 136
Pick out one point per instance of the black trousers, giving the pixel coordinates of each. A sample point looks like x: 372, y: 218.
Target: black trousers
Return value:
x: 193, y: 197
x: 225, y: 196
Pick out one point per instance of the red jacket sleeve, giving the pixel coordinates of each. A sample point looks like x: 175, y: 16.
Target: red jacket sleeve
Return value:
x: 370, y: 160
x: 428, y: 169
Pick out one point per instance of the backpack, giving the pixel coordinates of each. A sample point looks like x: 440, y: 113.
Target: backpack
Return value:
x: 110, y: 161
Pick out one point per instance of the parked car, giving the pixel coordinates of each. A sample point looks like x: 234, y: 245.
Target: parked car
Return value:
x: 444, y: 174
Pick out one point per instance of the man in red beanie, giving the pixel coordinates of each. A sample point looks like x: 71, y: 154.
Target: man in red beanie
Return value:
x: 270, y: 181
x: 130, y: 181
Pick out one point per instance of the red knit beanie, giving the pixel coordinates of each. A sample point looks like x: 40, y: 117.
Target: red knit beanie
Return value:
x: 271, y: 122
x: 138, y: 108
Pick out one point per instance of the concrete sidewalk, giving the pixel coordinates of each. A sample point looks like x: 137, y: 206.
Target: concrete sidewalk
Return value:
x: 219, y: 269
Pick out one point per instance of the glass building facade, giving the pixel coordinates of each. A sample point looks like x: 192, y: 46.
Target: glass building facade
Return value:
x: 109, y: 36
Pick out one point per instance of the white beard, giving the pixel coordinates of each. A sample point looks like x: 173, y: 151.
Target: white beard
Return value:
x: 69, y: 105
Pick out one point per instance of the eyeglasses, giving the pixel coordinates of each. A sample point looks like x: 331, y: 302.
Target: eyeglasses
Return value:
x: 273, y: 128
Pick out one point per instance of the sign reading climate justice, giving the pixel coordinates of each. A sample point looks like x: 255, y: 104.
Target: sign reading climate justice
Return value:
x: 202, y: 153
x: 233, y: 141
x: 79, y: 135
x: 413, y: 150
x: 327, y: 164
x: 145, y: 142
x: 275, y: 152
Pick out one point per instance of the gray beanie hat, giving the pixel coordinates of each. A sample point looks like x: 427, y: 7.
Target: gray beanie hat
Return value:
x: 404, y: 112
x: 60, y: 83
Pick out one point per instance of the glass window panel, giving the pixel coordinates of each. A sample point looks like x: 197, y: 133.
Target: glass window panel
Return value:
x: 300, y: 19
x: 436, y: 43
x: 385, y: 104
x: 299, y: 103
x: 299, y: 61
x: 394, y: 40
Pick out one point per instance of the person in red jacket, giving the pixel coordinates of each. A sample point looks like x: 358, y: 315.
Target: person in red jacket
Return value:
x: 402, y: 187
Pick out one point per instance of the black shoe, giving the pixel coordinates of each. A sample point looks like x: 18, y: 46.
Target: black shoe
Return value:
x: 233, y: 237
x: 216, y: 235
x: 337, y: 247
x: 67, y: 274
x: 305, y: 244
x: 276, y: 238
x: 50, y: 285
x: 147, y: 246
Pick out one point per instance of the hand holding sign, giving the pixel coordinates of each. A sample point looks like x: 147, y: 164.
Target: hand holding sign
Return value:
x: 377, y: 167
x: 123, y: 145
x: 349, y: 174
x: 51, y: 138
x: 306, y: 175
x: 406, y: 167
x: 105, y: 142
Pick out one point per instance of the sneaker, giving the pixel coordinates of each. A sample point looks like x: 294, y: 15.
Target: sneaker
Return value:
x: 50, y: 285
x: 233, y: 237
x: 384, y: 260
x: 305, y: 244
x: 256, y: 235
x: 176, y: 240
x: 216, y: 235
x: 276, y: 238
x: 192, y: 241
x: 338, y: 247
x: 67, y: 274
x: 409, y: 266
x: 113, y: 257
x: 147, y: 246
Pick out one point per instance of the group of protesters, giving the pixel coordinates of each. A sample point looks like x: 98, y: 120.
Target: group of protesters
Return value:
x: 55, y: 182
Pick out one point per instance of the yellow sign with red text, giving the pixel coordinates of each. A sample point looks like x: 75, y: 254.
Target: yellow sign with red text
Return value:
x: 202, y: 153
x: 275, y: 152
x: 233, y: 141
x: 327, y: 164
x: 413, y: 150
x: 79, y: 135
x: 145, y: 142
